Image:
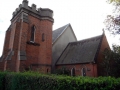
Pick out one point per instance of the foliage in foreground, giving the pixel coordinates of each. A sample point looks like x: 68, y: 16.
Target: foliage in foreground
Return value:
x: 37, y: 81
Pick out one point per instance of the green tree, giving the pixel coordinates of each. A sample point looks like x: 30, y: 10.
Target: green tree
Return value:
x: 111, y: 61
x: 106, y: 64
x: 116, y: 59
x: 112, y: 57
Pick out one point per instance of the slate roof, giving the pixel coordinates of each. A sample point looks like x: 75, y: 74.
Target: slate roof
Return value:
x: 83, y: 51
x: 58, y: 32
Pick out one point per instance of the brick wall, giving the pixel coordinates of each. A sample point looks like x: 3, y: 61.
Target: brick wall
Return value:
x: 5, y: 49
x: 104, y: 44
x: 38, y: 56
x: 90, y: 69
x: 21, y: 54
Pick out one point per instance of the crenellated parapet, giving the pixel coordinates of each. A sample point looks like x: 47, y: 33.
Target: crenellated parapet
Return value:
x: 41, y: 13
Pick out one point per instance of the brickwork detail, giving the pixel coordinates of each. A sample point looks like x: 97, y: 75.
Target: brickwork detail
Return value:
x: 29, y: 55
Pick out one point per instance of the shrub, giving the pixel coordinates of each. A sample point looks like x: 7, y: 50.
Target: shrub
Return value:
x: 37, y: 81
x: 62, y: 71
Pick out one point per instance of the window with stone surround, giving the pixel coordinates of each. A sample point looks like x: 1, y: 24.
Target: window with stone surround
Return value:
x: 43, y: 37
x: 83, y: 71
x: 32, y: 38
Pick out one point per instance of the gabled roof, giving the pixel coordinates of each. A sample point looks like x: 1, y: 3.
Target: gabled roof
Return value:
x: 83, y: 51
x: 58, y: 32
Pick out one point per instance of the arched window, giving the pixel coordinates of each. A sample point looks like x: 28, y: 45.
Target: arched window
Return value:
x: 43, y: 37
x: 32, y: 39
x: 83, y: 71
x: 47, y: 70
x: 73, y: 72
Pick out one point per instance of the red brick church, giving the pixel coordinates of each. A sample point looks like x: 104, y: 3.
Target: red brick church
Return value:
x: 31, y: 44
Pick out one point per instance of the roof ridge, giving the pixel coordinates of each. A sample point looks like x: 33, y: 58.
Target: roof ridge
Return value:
x: 64, y: 30
x: 65, y: 26
x: 86, y: 39
x: 61, y: 27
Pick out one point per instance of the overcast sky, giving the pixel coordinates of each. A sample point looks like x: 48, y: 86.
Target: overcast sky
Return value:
x: 85, y: 16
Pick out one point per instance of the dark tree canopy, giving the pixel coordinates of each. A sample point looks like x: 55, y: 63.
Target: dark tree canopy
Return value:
x: 111, y: 61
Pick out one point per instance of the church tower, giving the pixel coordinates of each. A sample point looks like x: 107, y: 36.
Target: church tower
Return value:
x: 28, y: 41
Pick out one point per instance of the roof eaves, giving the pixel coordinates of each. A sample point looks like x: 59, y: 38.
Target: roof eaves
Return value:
x: 75, y: 63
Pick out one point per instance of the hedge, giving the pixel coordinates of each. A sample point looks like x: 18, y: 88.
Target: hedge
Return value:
x: 37, y: 81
